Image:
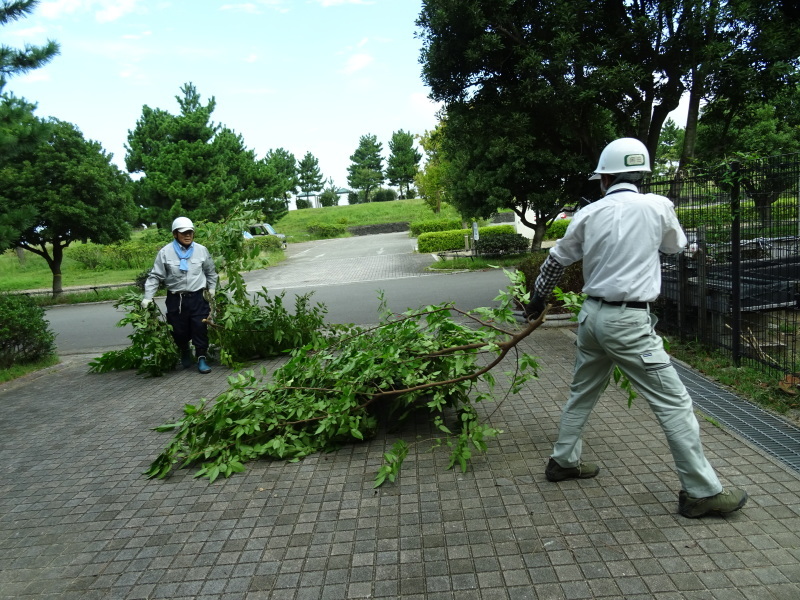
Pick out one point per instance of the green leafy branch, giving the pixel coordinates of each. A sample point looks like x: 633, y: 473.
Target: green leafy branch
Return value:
x: 338, y: 389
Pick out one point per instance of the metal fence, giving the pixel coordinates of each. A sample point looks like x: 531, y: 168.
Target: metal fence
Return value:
x: 737, y: 286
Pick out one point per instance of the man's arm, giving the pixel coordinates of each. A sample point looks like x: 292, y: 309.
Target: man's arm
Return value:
x: 549, y: 275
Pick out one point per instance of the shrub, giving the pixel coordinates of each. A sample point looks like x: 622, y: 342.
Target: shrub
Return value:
x: 326, y: 230
x: 24, y: 332
x: 503, y: 243
x: 571, y: 280
x: 266, y: 243
x: 302, y: 203
x: 557, y: 229
x: 384, y: 195
x: 441, y: 241
x: 419, y: 227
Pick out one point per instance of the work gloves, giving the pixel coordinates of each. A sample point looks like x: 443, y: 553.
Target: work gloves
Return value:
x: 535, y: 307
x: 147, y: 302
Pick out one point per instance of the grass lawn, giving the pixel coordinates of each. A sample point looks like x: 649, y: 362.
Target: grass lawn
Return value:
x: 295, y: 224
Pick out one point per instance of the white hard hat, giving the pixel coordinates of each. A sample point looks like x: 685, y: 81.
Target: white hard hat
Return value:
x: 625, y: 155
x: 182, y: 224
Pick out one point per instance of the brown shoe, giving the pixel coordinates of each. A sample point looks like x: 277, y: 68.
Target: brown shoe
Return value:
x: 555, y: 472
x: 727, y: 501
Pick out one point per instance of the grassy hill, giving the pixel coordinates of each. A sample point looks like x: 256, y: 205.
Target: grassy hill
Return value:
x: 295, y: 224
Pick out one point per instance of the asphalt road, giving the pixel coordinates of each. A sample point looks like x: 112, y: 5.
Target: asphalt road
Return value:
x: 344, y: 274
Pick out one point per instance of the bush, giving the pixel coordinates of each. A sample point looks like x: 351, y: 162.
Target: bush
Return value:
x: 441, y: 241
x: 302, y: 203
x: 24, y: 332
x: 326, y: 230
x: 503, y: 243
x: 384, y: 195
x: 557, y: 229
x: 419, y: 227
x: 133, y: 254
x: 266, y: 243
x: 571, y: 280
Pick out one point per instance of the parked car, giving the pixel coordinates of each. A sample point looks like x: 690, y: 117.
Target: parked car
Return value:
x: 260, y: 229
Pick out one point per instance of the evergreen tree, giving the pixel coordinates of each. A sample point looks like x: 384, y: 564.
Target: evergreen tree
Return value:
x: 403, y: 163
x: 192, y: 166
x: 70, y: 191
x: 309, y: 175
x: 365, y: 173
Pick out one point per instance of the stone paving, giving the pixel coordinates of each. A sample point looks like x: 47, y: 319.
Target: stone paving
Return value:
x: 79, y: 520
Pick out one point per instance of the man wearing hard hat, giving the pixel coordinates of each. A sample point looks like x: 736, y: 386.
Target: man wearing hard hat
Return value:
x: 618, y: 238
x: 187, y: 270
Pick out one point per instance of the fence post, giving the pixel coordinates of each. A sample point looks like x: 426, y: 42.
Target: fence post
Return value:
x: 736, y: 266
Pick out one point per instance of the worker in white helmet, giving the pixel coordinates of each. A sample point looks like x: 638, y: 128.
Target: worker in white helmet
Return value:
x: 187, y: 270
x: 619, y: 238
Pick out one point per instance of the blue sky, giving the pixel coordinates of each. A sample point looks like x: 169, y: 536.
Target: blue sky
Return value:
x: 304, y: 75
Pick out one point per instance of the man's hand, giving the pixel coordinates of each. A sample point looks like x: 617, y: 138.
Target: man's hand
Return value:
x: 147, y: 302
x: 535, y: 307
x: 208, y: 295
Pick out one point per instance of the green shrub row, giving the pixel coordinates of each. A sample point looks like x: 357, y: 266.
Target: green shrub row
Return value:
x: 441, y: 241
x: 266, y: 243
x: 134, y: 254
x: 503, y: 243
x: 326, y: 230
x: 25, y: 336
x: 419, y: 227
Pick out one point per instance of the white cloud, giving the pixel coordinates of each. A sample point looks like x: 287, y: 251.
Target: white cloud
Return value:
x: 254, y: 8
x: 251, y: 58
x: 356, y: 63
x: 28, y: 33
x: 340, y: 2
x: 137, y: 36
x: 35, y: 76
x: 105, y: 10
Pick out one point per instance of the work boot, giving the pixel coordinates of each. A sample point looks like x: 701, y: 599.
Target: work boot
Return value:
x: 186, y: 358
x: 202, y: 365
x: 727, y: 501
x: 555, y: 472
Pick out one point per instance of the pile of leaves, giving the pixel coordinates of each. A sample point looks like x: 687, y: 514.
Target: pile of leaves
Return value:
x: 337, y: 390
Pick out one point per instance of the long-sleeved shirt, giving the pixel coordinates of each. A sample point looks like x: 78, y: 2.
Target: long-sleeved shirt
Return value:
x: 618, y: 238
x: 201, y: 274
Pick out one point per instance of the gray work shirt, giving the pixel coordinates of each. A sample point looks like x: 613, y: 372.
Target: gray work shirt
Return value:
x: 201, y: 274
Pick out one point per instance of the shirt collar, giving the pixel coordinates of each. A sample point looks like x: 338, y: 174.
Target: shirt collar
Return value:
x: 624, y: 186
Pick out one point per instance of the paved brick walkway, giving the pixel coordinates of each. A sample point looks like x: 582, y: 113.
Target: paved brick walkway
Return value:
x: 78, y: 520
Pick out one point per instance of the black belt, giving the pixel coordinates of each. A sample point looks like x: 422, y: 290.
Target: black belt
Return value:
x: 200, y: 291
x: 621, y: 303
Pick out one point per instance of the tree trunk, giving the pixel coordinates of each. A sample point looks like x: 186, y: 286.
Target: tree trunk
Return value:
x: 20, y: 254
x: 55, y: 267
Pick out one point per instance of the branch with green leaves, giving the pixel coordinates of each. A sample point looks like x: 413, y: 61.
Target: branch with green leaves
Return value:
x: 338, y: 389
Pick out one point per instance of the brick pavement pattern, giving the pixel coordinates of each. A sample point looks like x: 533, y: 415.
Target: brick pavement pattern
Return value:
x: 79, y: 520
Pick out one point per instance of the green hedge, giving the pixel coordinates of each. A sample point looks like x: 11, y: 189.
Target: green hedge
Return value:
x: 266, y: 242
x: 327, y: 230
x: 442, y: 241
x: 557, y: 229
x: 503, y: 243
x: 25, y: 334
x: 420, y: 227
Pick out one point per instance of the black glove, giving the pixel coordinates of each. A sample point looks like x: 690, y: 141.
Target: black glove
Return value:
x: 535, y: 307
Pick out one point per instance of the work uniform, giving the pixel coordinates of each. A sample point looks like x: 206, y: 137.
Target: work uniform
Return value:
x: 186, y: 306
x: 619, y: 238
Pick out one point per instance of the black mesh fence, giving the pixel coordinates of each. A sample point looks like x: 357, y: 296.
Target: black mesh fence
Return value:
x: 737, y: 286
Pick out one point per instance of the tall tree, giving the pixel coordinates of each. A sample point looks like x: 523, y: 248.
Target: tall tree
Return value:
x: 365, y: 172
x: 285, y: 165
x: 192, y: 166
x: 535, y: 89
x: 403, y: 162
x: 19, y: 129
x: 431, y: 180
x: 309, y: 175
x: 12, y: 60
x: 71, y: 191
